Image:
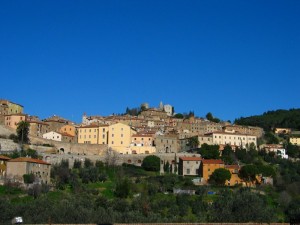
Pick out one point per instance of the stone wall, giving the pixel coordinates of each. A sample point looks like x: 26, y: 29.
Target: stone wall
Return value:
x: 71, y: 148
x: 8, y: 145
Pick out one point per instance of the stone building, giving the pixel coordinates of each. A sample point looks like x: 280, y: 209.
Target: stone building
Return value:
x: 167, y: 143
x: 16, y: 168
x: 37, y: 128
x: 249, y: 130
x: 12, y: 120
x: 189, y: 166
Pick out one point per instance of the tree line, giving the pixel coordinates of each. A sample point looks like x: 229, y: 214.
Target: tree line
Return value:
x: 272, y: 119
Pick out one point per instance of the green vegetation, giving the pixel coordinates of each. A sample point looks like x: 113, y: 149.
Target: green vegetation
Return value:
x: 106, y: 193
x: 219, y: 176
x: 23, y: 153
x: 151, y: 163
x: 272, y: 119
x: 209, y: 151
x: 23, y: 132
x: 211, y: 118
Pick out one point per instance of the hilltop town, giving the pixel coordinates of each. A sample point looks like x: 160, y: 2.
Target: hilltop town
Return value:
x: 177, y: 153
x: 136, y: 133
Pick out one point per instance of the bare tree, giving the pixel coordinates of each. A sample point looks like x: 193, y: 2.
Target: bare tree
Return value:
x: 111, y: 157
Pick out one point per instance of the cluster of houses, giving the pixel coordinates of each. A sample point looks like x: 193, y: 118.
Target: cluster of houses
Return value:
x: 152, y: 131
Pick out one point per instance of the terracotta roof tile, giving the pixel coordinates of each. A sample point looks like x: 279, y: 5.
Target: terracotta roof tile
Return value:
x: 30, y: 160
x: 2, y: 157
x: 212, y: 161
x: 190, y: 158
x: 232, y: 166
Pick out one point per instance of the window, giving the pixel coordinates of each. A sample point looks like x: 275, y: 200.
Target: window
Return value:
x: 187, y: 171
x: 103, y: 136
x: 121, y: 135
x: 121, y: 142
x: 112, y: 142
x: 112, y: 135
x: 103, y: 129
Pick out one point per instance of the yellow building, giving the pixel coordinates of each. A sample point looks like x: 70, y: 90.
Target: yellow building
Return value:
x: 88, y: 134
x: 8, y: 107
x: 208, y: 166
x: 103, y: 134
x: 142, y: 139
x: 283, y: 130
x: 119, y: 135
x: 235, y: 179
x: 13, y: 120
x: 295, y: 140
x: 68, y: 129
x: 116, y: 136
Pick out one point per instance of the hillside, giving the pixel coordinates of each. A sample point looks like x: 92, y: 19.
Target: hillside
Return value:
x: 272, y: 119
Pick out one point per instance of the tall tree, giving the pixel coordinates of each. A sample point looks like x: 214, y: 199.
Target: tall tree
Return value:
x: 23, y: 132
x: 151, y: 163
x: 248, y: 173
x: 220, y: 175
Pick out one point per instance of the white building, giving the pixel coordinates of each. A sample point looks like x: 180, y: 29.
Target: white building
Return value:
x: 224, y: 138
x: 168, y: 109
x: 53, y: 136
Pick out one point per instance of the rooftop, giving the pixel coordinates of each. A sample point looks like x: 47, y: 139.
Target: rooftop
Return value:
x: 30, y: 160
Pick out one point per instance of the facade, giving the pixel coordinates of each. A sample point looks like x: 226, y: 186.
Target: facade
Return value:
x: 234, y: 180
x: 88, y: 134
x: 3, y: 162
x: 189, y: 166
x: 13, y: 120
x: 256, y: 131
x: 116, y: 136
x: 295, y: 140
x: 38, y: 128
x: 167, y: 143
x: 53, y: 136
x: 68, y: 138
x: 56, y: 123
x: 68, y: 129
x: 8, y: 107
x: 283, y: 130
x: 205, y: 139
x: 142, y: 139
x: 119, y: 135
x: 208, y: 166
x: 16, y: 168
x: 238, y: 139
x: 154, y: 113
x: 168, y: 109
x: 278, y: 149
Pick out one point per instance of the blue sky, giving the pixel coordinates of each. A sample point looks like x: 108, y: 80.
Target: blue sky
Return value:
x: 231, y: 58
